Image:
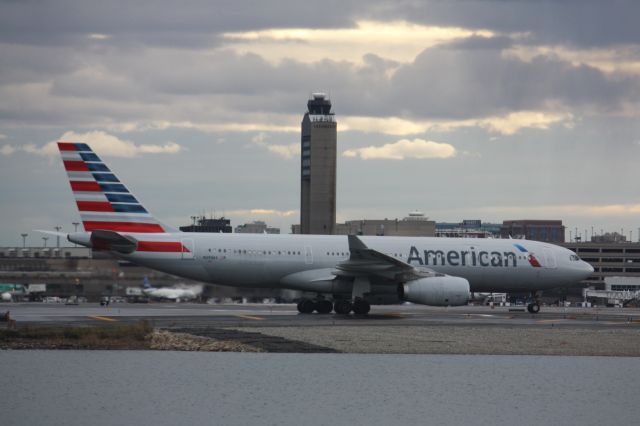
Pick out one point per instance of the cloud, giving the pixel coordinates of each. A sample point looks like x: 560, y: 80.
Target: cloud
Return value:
x: 587, y: 23
x: 451, y: 82
x: 397, y: 40
x: 592, y: 211
x: 404, y: 149
x: 263, y: 212
x: 7, y: 150
x: 514, y: 122
x: 105, y: 144
x: 623, y: 59
x: 285, y: 151
x: 97, y: 36
x: 224, y: 90
x: 507, y: 124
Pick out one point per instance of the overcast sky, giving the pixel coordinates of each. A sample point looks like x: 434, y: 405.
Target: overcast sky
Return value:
x: 485, y: 110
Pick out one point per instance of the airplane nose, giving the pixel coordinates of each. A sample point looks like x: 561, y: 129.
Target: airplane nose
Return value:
x: 588, y: 268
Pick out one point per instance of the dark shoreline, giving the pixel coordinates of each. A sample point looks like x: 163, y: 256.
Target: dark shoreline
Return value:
x: 459, y: 340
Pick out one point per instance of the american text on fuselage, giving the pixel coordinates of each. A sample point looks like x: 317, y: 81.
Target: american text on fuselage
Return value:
x: 432, y: 257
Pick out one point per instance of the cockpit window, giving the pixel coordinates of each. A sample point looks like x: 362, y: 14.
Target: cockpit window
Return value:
x: 574, y: 258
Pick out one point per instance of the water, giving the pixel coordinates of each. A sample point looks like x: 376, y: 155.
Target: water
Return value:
x: 169, y: 388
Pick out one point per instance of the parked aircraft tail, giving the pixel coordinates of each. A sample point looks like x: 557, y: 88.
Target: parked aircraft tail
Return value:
x: 103, y: 201
x: 146, y: 284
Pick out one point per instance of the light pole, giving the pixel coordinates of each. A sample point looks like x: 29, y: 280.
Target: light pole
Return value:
x: 75, y: 225
x: 57, y: 228
x: 45, y: 241
x: 24, y: 240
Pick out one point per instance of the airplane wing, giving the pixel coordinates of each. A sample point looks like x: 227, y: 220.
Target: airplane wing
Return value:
x: 364, y: 261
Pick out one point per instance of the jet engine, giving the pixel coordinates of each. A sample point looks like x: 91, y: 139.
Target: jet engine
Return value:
x: 436, y: 291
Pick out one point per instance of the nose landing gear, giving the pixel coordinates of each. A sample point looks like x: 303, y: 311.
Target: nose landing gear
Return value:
x: 534, y: 306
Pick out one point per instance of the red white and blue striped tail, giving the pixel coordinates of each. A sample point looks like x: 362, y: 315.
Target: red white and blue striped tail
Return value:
x: 103, y: 201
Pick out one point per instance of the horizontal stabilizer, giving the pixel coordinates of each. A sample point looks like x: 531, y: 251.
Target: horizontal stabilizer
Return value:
x: 54, y: 233
x: 113, y: 241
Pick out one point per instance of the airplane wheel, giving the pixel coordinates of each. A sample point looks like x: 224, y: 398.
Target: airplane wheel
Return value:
x: 324, y: 307
x: 342, y: 307
x: 361, y: 307
x: 306, y: 306
x: 533, y: 308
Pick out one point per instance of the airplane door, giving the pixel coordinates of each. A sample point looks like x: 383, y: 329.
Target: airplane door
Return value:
x: 308, y: 255
x: 188, y: 249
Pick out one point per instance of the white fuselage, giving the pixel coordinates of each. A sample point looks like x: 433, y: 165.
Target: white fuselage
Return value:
x: 299, y: 261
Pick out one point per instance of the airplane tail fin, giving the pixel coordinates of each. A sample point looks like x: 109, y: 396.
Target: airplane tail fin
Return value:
x: 103, y: 201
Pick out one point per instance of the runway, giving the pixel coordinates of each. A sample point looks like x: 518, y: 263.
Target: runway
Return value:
x: 279, y: 315
x: 398, y: 329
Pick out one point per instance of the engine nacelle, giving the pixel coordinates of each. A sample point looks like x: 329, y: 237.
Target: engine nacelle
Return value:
x: 436, y: 291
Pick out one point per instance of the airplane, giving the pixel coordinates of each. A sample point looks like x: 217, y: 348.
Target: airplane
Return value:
x: 167, y: 293
x: 8, y: 291
x: 347, y: 273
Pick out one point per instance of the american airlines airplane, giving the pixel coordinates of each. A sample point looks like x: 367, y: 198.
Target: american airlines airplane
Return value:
x: 347, y: 273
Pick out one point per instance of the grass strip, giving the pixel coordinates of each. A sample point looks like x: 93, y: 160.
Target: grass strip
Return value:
x: 112, y: 336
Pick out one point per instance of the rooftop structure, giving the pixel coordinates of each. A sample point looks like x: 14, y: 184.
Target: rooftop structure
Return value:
x: 468, y: 228
x: 202, y: 224
x: 551, y: 231
x: 256, y: 227
x: 415, y: 224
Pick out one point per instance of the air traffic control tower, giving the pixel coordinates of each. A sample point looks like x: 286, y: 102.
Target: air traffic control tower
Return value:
x: 318, y: 168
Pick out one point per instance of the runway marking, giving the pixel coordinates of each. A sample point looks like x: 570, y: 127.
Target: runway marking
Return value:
x: 550, y: 320
x: 393, y: 315
x: 98, y: 317
x: 251, y: 317
x: 468, y: 316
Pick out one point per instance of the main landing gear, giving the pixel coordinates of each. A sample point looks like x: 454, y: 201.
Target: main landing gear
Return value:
x: 358, y: 306
x: 534, y: 306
